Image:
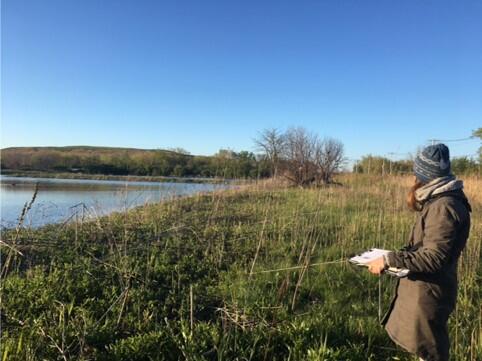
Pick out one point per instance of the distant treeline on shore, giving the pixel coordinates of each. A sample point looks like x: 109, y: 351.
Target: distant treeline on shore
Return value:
x: 225, y: 164
x: 380, y: 165
x: 131, y: 161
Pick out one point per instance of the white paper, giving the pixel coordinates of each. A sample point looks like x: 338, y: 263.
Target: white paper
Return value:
x: 374, y: 253
x: 368, y: 256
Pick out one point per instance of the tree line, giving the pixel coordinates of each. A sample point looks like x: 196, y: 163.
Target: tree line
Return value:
x: 297, y: 155
x: 464, y: 165
x: 370, y: 164
x: 140, y: 162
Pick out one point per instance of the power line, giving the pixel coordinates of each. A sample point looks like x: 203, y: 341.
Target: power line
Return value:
x: 433, y: 140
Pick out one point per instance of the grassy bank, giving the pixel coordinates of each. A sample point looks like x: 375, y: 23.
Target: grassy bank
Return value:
x: 199, y: 278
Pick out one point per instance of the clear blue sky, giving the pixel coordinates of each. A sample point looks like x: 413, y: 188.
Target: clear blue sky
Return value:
x: 381, y: 76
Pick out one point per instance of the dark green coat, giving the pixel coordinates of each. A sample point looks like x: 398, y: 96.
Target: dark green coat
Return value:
x: 417, y: 318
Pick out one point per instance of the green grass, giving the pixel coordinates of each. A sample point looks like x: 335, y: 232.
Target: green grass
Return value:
x: 172, y: 281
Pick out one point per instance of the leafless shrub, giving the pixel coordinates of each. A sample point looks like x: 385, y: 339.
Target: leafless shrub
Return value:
x: 329, y: 159
x: 301, y: 156
x: 270, y: 143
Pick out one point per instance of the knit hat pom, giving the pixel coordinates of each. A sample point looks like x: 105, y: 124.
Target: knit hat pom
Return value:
x: 432, y: 162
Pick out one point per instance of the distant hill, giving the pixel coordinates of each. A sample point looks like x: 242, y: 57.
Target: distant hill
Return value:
x: 86, y: 149
x: 130, y: 161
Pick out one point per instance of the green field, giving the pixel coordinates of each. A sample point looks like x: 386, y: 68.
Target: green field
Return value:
x: 196, y: 279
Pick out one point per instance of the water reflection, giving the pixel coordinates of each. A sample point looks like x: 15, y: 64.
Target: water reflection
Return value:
x: 59, y: 200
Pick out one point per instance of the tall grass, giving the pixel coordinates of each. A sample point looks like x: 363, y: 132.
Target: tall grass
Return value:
x: 198, y: 278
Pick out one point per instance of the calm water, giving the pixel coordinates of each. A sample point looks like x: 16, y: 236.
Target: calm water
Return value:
x: 61, y: 199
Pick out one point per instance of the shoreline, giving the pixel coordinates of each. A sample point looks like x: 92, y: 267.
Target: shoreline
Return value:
x: 223, y: 188
x: 132, y: 178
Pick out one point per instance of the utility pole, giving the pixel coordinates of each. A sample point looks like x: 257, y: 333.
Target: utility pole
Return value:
x: 390, y: 154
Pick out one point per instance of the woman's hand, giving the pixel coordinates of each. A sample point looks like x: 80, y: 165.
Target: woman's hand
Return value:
x: 377, y: 266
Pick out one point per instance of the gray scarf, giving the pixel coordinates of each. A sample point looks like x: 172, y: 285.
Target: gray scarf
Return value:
x: 437, y: 186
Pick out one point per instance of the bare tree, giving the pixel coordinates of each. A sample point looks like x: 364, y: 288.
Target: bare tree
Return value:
x: 478, y: 134
x: 299, y: 155
x: 179, y: 150
x: 328, y: 159
x: 271, y: 143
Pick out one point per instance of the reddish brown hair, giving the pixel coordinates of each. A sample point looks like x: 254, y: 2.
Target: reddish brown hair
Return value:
x: 412, y: 202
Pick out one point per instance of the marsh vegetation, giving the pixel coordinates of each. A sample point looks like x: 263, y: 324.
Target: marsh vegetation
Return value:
x: 210, y: 277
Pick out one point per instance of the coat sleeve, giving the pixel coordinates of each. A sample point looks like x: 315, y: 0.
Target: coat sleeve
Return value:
x: 440, y: 232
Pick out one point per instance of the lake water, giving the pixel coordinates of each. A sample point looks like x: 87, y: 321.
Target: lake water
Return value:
x: 59, y: 200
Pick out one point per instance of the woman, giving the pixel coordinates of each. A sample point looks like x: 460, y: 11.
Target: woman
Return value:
x: 417, y: 318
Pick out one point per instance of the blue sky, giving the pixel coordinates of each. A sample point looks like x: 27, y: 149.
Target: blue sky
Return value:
x: 381, y: 76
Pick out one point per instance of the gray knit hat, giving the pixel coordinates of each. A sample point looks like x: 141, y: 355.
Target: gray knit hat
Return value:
x: 432, y: 162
